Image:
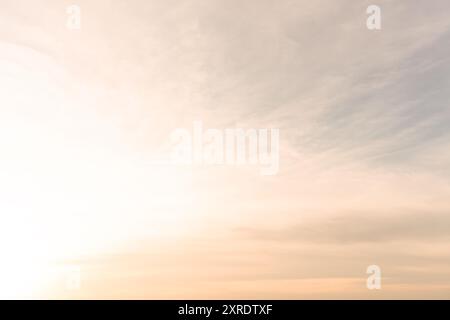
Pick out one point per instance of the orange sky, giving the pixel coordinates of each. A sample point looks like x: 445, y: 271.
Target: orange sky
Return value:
x: 85, y: 116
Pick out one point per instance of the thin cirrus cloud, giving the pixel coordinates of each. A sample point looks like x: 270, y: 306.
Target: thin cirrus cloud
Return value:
x: 364, y: 160
x: 363, y: 228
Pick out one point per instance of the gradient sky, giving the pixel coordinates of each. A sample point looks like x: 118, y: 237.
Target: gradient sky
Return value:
x: 364, y: 149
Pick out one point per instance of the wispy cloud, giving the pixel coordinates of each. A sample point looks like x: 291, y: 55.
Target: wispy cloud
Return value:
x: 364, y: 128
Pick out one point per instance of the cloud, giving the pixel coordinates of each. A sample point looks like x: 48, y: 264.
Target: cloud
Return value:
x: 362, y: 227
x: 364, y: 128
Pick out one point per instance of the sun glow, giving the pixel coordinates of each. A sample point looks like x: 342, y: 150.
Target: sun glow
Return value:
x: 65, y: 183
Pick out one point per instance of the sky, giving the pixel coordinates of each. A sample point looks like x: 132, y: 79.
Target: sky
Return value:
x: 364, y: 172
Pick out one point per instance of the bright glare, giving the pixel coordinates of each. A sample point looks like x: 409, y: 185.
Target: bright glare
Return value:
x: 65, y: 190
